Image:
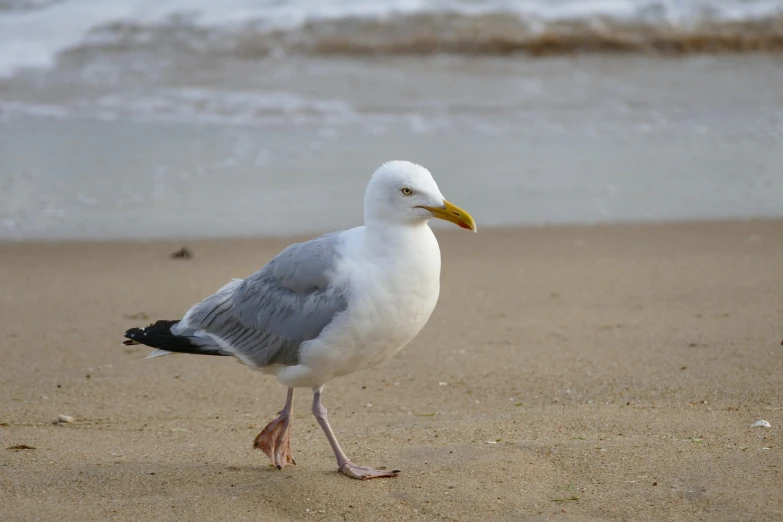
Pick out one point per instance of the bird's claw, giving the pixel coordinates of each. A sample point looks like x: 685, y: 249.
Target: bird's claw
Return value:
x: 275, y: 441
x: 365, y: 473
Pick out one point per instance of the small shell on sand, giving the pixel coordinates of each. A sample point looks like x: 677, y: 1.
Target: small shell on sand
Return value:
x: 761, y: 424
x: 66, y: 419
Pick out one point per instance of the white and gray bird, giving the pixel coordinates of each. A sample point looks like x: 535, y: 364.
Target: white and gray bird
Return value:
x: 327, y: 307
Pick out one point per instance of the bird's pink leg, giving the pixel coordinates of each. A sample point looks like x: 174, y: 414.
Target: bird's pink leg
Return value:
x: 275, y: 439
x: 345, y: 466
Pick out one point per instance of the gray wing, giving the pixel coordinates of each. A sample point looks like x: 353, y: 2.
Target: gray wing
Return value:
x: 265, y: 318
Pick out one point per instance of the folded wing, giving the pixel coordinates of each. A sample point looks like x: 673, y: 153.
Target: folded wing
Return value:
x: 265, y: 318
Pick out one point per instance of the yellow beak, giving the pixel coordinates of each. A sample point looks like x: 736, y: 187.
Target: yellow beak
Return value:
x: 454, y: 214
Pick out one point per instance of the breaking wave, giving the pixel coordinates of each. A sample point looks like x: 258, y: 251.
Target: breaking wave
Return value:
x: 35, y: 32
x: 458, y: 33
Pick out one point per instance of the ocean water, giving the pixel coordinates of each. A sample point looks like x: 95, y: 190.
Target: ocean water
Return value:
x: 134, y: 119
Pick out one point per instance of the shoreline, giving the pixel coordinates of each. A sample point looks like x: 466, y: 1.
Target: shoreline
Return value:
x: 235, y: 160
x: 439, y: 229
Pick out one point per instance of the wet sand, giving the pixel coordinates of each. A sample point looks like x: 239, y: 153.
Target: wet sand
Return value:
x: 569, y: 140
x: 573, y: 373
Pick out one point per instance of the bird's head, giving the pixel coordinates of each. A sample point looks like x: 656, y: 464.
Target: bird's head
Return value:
x: 401, y: 192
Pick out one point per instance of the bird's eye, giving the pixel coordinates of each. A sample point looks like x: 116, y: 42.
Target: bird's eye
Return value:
x: 406, y: 191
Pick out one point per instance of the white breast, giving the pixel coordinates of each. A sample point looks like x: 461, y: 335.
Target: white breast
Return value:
x: 394, y: 290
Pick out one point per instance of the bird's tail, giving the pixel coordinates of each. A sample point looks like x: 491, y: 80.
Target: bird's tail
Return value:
x: 166, y: 338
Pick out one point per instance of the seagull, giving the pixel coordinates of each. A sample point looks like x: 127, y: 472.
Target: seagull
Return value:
x: 327, y: 307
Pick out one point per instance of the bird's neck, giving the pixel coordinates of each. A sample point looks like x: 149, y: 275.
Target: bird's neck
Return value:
x: 394, y: 240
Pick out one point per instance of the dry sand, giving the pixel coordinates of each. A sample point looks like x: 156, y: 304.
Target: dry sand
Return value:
x: 607, y: 373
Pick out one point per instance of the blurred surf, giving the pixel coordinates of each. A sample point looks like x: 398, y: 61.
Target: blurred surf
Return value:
x: 196, y: 118
x: 34, y: 32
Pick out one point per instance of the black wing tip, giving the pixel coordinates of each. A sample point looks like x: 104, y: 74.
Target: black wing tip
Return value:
x: 137, y: 335
x: 159, y: 335
x: 134, y: 335
x: 160, y: 323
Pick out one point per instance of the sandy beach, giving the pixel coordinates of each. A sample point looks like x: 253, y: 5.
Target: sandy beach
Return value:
x: 576, y: 368
x: 569, y: 373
